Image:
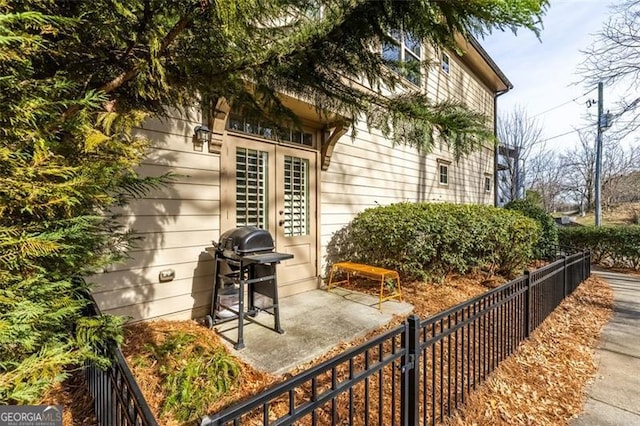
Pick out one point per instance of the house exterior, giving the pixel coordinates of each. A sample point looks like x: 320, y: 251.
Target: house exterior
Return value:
x: 509, y: 175
x: 302, y: 186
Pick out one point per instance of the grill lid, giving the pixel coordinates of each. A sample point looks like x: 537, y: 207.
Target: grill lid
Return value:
x: 245, y: 240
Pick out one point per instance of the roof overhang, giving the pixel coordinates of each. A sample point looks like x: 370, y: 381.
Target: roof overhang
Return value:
x: 476, y: 58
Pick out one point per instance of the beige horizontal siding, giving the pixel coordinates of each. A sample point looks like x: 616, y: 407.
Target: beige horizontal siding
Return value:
x: 129, y: 278
x: 181, y: 158
x: 368, y: 170
x: 167, y: 205
x: 174, y: 239
x: 175, y: 223
x: 158, y: 291
x: 178, y: 307
x: 162, y: 257
x: 460, y: 84
x: 155, y: 221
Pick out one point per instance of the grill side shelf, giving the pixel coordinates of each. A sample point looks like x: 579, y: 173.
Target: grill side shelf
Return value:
x: 272, y: 257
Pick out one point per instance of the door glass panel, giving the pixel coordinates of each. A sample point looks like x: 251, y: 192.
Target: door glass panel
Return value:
x: 296, y: 196
x: 251, y: 188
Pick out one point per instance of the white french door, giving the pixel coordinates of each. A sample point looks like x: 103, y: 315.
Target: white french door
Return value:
x: 274, y: 187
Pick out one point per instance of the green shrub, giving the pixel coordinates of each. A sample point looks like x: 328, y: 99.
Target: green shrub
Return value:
x: 426, y: 240
x: 548, y: 244
x: 612, y: 245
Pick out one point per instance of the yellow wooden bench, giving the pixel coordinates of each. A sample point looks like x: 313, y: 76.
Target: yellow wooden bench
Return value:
x: 367, y: 271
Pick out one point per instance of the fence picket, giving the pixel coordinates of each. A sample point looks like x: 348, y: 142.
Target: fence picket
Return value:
x: 417, y: 373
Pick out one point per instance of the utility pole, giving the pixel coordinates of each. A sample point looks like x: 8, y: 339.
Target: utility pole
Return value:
x: 599, y: 155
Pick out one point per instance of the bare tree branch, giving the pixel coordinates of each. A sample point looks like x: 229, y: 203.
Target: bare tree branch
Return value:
x: 614, y: 59
x: 517, y: 134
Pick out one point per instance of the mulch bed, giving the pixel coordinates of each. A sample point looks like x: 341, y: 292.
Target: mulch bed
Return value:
x: 77, y: 404
x: 542, y: 383
x: 138, y: 335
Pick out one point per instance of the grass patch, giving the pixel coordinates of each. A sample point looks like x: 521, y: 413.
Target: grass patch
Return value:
x: 621, y: 215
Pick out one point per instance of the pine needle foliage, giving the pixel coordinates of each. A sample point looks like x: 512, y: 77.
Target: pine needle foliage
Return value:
x: 56, y: 176
x: 77, y: 76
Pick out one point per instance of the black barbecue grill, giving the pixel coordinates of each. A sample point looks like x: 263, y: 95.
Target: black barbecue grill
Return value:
x: 245, y: 257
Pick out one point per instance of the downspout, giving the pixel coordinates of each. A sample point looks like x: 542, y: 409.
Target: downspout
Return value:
x: 495, y: 150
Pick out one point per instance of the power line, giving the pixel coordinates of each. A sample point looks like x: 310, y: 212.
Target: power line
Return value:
x: 562, y: 104
x: 560, y: 135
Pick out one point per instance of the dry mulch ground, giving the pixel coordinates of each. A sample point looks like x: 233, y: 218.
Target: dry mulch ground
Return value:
x: 426, y: 298
x: 77, y: 404
x: 137, y: 336
x: 542, y: 383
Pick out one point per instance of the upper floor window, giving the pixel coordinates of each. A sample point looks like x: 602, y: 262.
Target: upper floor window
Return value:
x: 445, y: 65
x: 268, y: 130
x: 444, y: 174
x: 443, y: 171
x: 487, y: 184
x: 408, y: 52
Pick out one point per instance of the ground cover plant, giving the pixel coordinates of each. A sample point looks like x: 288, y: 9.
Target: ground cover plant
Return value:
x: 192, y: 372
x: 184, y: 370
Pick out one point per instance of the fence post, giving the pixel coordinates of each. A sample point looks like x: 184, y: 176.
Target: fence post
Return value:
x: 409, y: 392
x: 527, y: 313
x: 588, y: 263
x: 564, y: 276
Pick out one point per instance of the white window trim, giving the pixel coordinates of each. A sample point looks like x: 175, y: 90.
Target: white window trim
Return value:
x: 443, y: 163
x: 487, y: 180
x: 441, y: 167
x: 446, y: 71
x: 404, y: 49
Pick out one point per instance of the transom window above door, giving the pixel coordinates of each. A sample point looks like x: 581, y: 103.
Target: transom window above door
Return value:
x: 265, y: 128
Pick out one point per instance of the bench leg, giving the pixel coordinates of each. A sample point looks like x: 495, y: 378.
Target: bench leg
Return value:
x: 333, y: 271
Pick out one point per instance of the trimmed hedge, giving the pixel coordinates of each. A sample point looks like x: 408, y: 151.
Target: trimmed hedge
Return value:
x: 610, y: 245
x: 548, y: 244
x: 427, y: 241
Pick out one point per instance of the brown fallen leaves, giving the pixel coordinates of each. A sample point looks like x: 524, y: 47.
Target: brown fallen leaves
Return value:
x: 77, y: 404
x: 137, y: 338
x: 543, y: 382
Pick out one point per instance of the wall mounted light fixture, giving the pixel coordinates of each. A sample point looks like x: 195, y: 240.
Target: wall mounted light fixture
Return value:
x: 201, y: 135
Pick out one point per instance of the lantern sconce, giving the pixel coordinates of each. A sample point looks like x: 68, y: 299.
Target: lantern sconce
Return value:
x: 201, y: 135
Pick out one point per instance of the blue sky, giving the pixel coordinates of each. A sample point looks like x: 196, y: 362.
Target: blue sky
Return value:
x: 543, y: 72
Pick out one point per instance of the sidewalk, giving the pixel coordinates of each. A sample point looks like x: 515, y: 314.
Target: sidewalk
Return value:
x: 614, y: 397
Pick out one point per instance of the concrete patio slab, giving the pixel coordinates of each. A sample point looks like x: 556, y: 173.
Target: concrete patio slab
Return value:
x: 314, y: 322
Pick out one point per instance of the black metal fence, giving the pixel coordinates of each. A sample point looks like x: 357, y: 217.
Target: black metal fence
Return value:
x: 117, y: 399
x: 421, y: 371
